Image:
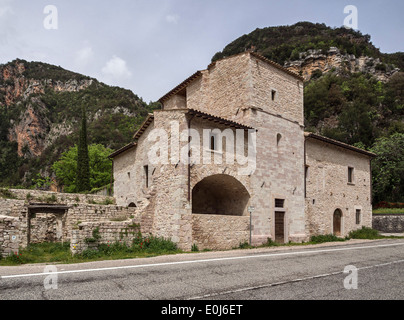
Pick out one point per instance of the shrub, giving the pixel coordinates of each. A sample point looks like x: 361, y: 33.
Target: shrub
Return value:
x: 325, y: 238
x: 364, y: 233
x: 195, y: 248
x: 96, y: 236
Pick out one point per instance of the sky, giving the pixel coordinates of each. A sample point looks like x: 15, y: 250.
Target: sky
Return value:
x: 150, y: 46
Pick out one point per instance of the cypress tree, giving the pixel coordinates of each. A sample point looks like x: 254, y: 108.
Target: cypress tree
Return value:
x: 83, y: 163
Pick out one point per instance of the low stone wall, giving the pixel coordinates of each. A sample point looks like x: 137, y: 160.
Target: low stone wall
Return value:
x: 219, y: 232
x: 56, y: 197
x: 110, y: 232
x: 388, y: 223
x: 10, y: 235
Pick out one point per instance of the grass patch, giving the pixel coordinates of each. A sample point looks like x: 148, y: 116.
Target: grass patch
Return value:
x: 40, y: 253
x: 60, y: 253
x: 365, y: 234
x: 389, y: 211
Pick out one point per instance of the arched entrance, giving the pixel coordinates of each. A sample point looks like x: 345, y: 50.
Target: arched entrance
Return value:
x: 337, y: 222
x: 220, y: 194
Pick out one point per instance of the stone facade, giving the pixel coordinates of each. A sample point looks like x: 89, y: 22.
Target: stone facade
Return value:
x: 328, y: 188
x: 242, y: 90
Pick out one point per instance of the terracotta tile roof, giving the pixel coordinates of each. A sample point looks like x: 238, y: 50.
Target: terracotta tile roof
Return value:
x: 144, y: 126
x: 181, y: 86
x: 219, y: 120
x: 339, y: 144
x: 122, y: 150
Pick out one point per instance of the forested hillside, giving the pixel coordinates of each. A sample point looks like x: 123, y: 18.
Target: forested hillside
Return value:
x: 40, y: 112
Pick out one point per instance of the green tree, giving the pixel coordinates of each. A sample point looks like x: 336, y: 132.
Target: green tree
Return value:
x: 100, y: 167
x: 388, y: 168
x: 83, y: 163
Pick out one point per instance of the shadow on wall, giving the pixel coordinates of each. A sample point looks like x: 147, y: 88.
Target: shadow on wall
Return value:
x: 220, y: 194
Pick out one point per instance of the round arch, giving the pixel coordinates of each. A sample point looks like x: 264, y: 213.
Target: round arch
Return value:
x: 220, y: 194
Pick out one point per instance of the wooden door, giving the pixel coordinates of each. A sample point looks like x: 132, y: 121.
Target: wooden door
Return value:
x: 337, y: 222
x: 280, y: 227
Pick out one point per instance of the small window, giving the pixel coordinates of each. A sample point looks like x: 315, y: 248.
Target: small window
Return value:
x: 358, y: 216
x: 306, y: 172
x: 279, y: 203
x: 350, y: 175
x: 213, y: 142
x: 273, y: 95
x: 278, y: 138
x: 146, y: 176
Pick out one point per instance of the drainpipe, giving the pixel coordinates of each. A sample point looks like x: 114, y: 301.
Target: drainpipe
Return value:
x: 305, y: 169
x: 371, y: 182
x: 112, y: 176
x: 189, y: 153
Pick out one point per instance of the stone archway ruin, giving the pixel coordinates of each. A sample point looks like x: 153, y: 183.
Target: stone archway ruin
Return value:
x: 220, y: 194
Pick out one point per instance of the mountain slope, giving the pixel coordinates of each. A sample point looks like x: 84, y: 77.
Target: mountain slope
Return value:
x: 40, y: 112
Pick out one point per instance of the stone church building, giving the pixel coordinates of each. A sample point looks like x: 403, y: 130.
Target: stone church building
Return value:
x: 284, y: 183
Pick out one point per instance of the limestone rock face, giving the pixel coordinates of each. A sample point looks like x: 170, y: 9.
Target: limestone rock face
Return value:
x: 334, y: 60
x: 31, y: 129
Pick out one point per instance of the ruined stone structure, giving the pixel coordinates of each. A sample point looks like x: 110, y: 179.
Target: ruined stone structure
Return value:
x: 33, y: 216
x: 297, y: 185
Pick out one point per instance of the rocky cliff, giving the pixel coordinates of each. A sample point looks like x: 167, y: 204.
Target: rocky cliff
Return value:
x: 39, y: 115
x: 312, y: 61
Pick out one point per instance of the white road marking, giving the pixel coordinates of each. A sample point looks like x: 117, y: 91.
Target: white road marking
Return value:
x: 268, y: 255
x: 215, y: 294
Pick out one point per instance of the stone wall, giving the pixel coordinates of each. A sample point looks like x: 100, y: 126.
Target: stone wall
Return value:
x: 10, y: 235
x: 110, y: 232
x: 389, y: 223
x: 219, y: 232
x: 47, y: 225
x: 55, y: 197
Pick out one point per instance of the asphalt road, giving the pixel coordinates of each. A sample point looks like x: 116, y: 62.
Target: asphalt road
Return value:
x: 297, y: 273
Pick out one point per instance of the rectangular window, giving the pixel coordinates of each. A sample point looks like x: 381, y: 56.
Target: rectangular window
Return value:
x: 273, y: 95
x: 279, y: 203
x: 146, y: 176
x: 350, y: 175
x: 358, y: 216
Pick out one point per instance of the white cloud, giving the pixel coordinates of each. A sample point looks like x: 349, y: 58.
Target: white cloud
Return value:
x: 117, y: 69
x: 84, y: 56
x: 172, y: 18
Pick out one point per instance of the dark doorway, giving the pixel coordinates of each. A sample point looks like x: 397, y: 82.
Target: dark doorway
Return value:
x: 280, y: 227
x: 337, y: 222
